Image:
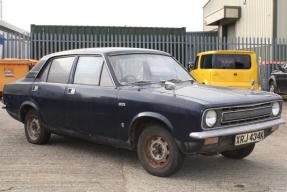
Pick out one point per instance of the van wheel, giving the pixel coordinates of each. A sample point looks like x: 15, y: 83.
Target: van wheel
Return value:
x: 158, y: 152
x: 272, y: 87
x: 239, y: 153
x: 34, y: 130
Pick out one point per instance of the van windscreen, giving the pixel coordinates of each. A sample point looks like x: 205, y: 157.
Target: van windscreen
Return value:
x: 226, y: 61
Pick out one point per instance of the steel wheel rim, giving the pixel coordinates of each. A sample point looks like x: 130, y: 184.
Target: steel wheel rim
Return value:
x: 33, y: 127
x: 157, y: 151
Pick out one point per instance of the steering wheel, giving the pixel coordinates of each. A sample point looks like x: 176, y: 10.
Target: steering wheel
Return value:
x: 129, y: 78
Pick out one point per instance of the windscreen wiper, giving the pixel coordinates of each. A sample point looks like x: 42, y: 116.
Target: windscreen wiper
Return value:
x: 143, y: 82
x: 178, y: 81
x: 172, y: 80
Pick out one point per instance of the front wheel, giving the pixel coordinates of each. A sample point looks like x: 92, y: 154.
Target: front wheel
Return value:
x: 158, y: 152
x: 34, y: 130
x: 239, y: 153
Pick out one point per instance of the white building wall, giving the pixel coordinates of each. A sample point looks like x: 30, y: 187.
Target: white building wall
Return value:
x: 256, y: 16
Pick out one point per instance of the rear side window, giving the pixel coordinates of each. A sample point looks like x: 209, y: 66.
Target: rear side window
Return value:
x: 60, y: 70
x: 44, y: 75
x: 226, y: 61
x: 88, y: 70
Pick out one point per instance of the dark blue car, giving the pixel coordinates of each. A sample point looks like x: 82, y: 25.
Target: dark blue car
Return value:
x: 142, y: 100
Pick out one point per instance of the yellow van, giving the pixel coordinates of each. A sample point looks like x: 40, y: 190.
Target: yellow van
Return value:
x: 227, y: 68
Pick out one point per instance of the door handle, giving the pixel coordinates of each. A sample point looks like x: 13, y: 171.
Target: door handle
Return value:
x: 71, y: 91
x: 35, y: 88
x: 235, y: 74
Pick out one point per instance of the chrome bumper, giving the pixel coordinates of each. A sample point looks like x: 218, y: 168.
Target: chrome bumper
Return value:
x: 236, y: 130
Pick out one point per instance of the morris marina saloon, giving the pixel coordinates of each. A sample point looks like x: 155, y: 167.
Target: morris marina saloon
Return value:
x: 142, y: 100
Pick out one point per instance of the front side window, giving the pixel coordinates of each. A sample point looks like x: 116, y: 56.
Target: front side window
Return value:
x: 88, y: 70
x: 132, y: 68
x: 226, y: 61
x: 60, y: 70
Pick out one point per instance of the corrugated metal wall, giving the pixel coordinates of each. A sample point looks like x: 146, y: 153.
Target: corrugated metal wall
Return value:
x: 256, y: 17
x: 282, y: 16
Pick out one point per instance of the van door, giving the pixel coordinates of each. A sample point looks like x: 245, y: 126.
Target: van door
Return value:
x: 234, y: 70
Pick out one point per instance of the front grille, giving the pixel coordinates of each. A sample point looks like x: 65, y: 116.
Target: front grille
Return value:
x: 238, y: 115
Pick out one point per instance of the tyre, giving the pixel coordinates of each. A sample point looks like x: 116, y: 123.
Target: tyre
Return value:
x: 272, y: 87
x: 239, y: 153
x: 158, y: 152
x: 34, y: 131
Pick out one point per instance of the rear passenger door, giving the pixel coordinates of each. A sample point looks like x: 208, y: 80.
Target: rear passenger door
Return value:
x: 91, y: 99
x: 49, y: 88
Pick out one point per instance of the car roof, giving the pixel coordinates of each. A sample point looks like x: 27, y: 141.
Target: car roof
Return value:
x: 227, y: 52
x: 106, y: 50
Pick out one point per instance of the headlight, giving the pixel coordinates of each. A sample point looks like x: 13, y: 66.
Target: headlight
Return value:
x: 275, y: 109
x: 210, y: 118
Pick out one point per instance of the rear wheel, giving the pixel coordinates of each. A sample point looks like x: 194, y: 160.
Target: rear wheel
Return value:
x: 158, y: 151
x: 239, y: 153
x: 34, y: 130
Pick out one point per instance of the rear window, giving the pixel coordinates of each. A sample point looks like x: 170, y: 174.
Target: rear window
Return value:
x: 60, y: 70
x: 226, y: 61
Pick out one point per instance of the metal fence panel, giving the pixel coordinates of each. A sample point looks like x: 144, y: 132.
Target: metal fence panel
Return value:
x: 184, y: 47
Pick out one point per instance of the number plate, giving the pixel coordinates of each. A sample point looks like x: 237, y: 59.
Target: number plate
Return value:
x: 249, y: 138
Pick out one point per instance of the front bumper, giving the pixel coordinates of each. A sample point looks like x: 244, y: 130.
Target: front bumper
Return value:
x: 237, y: 130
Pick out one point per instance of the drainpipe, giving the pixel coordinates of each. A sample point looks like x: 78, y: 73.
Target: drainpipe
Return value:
x: 275, y: 18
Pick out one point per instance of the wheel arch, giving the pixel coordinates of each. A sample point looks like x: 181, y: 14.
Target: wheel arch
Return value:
x: 25, y: 107
x: 141, y: 120
x: 272, y: 79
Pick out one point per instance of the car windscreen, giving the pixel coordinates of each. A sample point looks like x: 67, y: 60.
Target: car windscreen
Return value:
x: 132, y: 68
x: 226, y: 61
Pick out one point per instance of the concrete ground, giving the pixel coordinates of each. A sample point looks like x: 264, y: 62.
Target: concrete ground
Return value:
x: 67, y: 164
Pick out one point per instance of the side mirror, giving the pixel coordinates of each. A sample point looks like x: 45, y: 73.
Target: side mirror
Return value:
x: 190, y: 66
